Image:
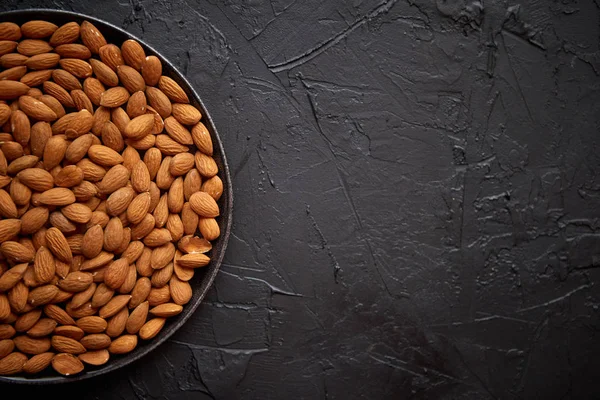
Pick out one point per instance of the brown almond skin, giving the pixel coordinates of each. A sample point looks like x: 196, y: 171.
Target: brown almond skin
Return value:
x: 98, y: 357
x: 123, y: 344
x: 67, y: 364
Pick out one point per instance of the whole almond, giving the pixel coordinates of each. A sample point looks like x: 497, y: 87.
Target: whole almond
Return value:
x: 92, y: 324
x: 20, y: 194
x: 96, y: 341
x: 77, y: 67
x: 133, y: 252
x: 36, y: 78
x: 55, y: 150
x: 66, y: 79
x: 58, y: 220
x: 93, y: 241
x: 102, y: 295
x: 152, y: 328
x: 6, y: 347
x: 204, y: 205
x: 57, y: 197
x: 131, y: 79
x: 161, y: 277
x: 12, y: 89
x: 140, y: 230
x: 34, y: 219
x: 137, y: 318
x: 65, y: 344
x: 85, y: 310
x: 114, y: 97
x: 69, y: 176
x: 168, y: 146
x: 116, y: 273
x: 93, y: 88
x: 157, y: 237
x: 11, y: 150
x: 57, y: 243
x: 153, y: 159
x: 16, y: 252
x: 6, y: 331
x: 138, y: 208
x: 83, y: 297
x: 194, y: 244
x: 159, y: 124
x: 114, y: 306
x: 206, y: 165
x: 113, y: 234
x: 17, y: 297
x: 14, y: 73
x: 21, y: 127
x: 189, y: 219
x: 140, y: 177
x: 166, y: 310
x: 67, y: 364
x: 151, y: 70
x: 58, y: 92
x: 77, y: 281
x: 5, y: 112
x: 36, y: 109
x: 172, y: 89
x: 181, y: 164
x: 104, y: 156
x: 139, y: 127
x: 136, y: 105
x: 11, y: 60
x: 43, y: 327
x: 193, y: 260
x: 70, y: 331
x: 186, y: 114
x: 192, y: 183
x: 140, y: 292
x: 38, y: 29
x: 119, y: 200
x: 78, y: 213
x: 7, y: 46
x: 120, y: 118
x: 21, y: 163
x: 9, y: 31
x: 30, y: 345
x: 123, y: 344
x: 162, y: 255
x: 115, y: 178
x: 184, y: 274
x: 132, y: 52
x: 98, y: 218
x: 159, y: 101
x: 130, y: 157
x: 73, y: 50
x: 8, y: 208
x: 9, y: 228
x: 92, y: 172
x: 209, y: 228
x: 112, y: 138
x: 12, y: 364
x: 44, y: 265
x: 67, y: 33
x: 32, y: 47
x: 178, y: 132
x: 214, y: 187
x: 10, y: 278
x: 92, y: 37
x: 110, y: 54
x: 98, y: 357
x: 100, y: 260
x: 164, y: 179
x: 81, y: 100
x: 130, y: 280
x: 38, y: 363
x: 175, y: 198
x: 104, y: 73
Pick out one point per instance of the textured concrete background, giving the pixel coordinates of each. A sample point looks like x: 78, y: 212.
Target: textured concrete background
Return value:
x: 417, y: 199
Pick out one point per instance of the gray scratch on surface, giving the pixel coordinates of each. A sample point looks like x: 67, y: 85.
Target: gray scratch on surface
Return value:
x: 325, y: 245
x: 555, y: 300
x: 309, y: 55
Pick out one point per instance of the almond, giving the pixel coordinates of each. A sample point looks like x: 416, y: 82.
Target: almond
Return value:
x: 139, y: 127
x: 168, y: 146
x: 138, y: 208
x: 172, y: 89
x: 83, y: 297
x: 119, y: 200
x: 77, y: 281
x: 17, y: 298
x: 85, y: 310
x: 120, y: 118
x: 186, y: 114
x: 93, y: 88
x: 20, y: 194
x: 6, y: 331
x: 34, y: 219
x: 32, y: 47
x: 77, y: 67
x: 159, y: 124
x: 67, y: 364
x: 151, y: 70
x: 175, y: 198
x: 62, y: 268
x: 69, y: 331
x: 56, y: 91
x: 204, y: 205
x: 111, y: 56
x: 73, y: 50
x: 166, y: 310
x: 192, y: 183
x: 104, y: 73
x: 159, y: 101
x: 130, y: 78
x: 189, y: 219
x: 16, y: 252
x: 98, y: 218
x: 161, y: 277
x: 114, y: 305
x: 116, y: 273
x: 8, y: 208
x: 38, y: 29
x: 140, y: 178
x: 69, y: 176
x: 151, y: 328
x: 113, y: 234
x: 133, y: 252
x: 38, y: 363
x: 10, y: 278
x: 62, y: 223
x: 42, y: 61
x: 93, y: 241
x: 112, y: 139
x: 21, y: 128
x: 92, y: 324
x: 209, y: 228
x: 29, y: 345
x: 184, y: 274
x: 21, y: 163
x: 78, y: 213
x: 206, y: 165
x: 181, y: 164
x: 82, y: 101
x: 5, y: 112
x: 9, y: 31
x: 157, y: 237
x: 164, y: 179
x: 177, y: 131
x: 6, y: 347
x: 12, y: 60
x: 123, y: 344
x: 98, y: 357
x: 93, y: 172
x: 193, y: 260
x: 65, y: 344
x: 57, y: 197
x: 66, y: 79
x: 136, y: 105
x: 43, y: 327
x: 36, y: 109
x: 100, y: 260
x: 80, y: 121
x: 36, y: 78
x: 102, y: 295
x: 67, y: 33
x: 116, y: 177
x: 14, y: 73
x: 96, y: 341
x: 114, y: 97
x: 140, y: 230
x: 214, y: 187
x: 12, y: 150
x: 159, y: 296
x: 133, y: 53
x: 162, y: 256
x: 144, y: 143
x: 91, y: 37
x: 7, y: 46
x: 44, y: 265
x: 12, y: 364
x: 104, y: 156
x: 137, y: 318
x: 57, y: 243
x: 140, y: 292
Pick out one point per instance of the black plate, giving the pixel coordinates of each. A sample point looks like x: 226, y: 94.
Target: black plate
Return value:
x: 204, y: 277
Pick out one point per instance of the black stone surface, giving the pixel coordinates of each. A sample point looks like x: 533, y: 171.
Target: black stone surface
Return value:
x: 417, y: 199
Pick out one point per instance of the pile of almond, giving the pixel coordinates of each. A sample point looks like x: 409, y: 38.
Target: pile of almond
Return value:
x: 108, y: 197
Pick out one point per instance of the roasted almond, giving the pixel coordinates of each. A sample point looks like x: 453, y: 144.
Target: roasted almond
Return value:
x: 44, y: 327
x: 116, y: 273
x: 137, y: 318
x: 36, y: 109
x: 192, y: 183
x: 77, y: 212
x: 114, y: 97
x: 93, y: 88
x: 12, y: 364
x: 44, y: 265
x: 168, y: 146
x: 115, y: 178
x: 30, y: 345
x: 57, y: 243
x: 140, y: 177
x: 69, y: 176
x: 15, y: 252
x: 123, y: 344
x: 56, y: 91
x: 32, y: 47
x: 172, y: 89
x: 104, y: 156
x: 73, y: 50
x: 119, y: 200
x: 159, y: 101
x: 131, y: 79
x: 136, y: 105
x: 33, y: 220
x: 92, y: 37
x: 112, y: 137
x: 114, y: 306
x: 104, y: 73
x: 162, y: 255
x: 110, y: 54
x: 209, y: 228
x: 67, y: 364
x: 132, y: 52
x: 67, y: 33
x: 186, y: 114
x: 139, y: 127
x: 42, y: 61
x: 9, y: 31
x: 77, y: 281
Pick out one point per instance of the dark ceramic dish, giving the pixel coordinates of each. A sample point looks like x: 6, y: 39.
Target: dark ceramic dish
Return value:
x: 204, y: 277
